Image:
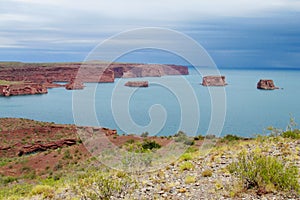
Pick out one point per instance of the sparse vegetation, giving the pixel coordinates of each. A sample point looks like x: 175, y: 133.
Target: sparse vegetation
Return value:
x: 100, y: 185
x: 190, y: 179
x: 145, y: 134
x: 230, y: 138
x: 261, y: 172
x: 207, y: 173
x: 186, y: 165
x: 182, y: 137
x: 68, y: 170
x: 294, y: 134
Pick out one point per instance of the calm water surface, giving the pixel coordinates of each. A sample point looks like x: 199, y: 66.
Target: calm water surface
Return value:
x: 248, y: 110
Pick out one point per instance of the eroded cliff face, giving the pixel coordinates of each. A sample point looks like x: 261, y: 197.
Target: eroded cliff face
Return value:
x: 214, y: 81
x: 266, y: 85
x: 46, y: 74
x: 22, y: 89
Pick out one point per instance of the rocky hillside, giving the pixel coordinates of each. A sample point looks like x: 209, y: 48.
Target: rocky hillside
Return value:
x: 58, y: 165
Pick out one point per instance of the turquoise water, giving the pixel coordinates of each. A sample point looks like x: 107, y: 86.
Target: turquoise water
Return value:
x: 248, y: 110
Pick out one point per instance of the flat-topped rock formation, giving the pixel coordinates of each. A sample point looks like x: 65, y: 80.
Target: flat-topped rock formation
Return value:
x: 22, y: 89
x: 87, y: 72
x: 214, y: 81
x: 137, y: 84
x: 264, y: 84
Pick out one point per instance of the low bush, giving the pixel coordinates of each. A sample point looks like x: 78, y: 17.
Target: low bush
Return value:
x: 186, y: 157
x: 207, y: 173
x: 189, y: 180
x: 230, y: 138
x: 100, y: 185
x: 44, y: 190
x: 199, y: 137
x: 294, y: 134
x: 150, y: 144
x: 182, y: 137
x: 259, y: 171
x: 7, y: 179
x: 186, y: 166
x: 145, y: 134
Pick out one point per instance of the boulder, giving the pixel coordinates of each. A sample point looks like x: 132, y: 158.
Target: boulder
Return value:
x: 214, y: 81
x: 264, y: 84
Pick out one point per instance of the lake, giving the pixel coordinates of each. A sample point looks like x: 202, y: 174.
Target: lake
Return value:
x: 248, y: 110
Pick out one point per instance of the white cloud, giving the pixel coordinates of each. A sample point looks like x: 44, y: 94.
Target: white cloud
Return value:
x: 168, y: 10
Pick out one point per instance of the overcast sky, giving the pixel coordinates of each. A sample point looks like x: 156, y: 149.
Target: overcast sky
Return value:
x: 236, y: 33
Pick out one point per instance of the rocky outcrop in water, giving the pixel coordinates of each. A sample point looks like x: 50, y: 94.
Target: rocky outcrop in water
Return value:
x: 214, y: 81
x: 74, y: 85
x: 22, y: 89
x: 137, y: 84
x: 266, y: 85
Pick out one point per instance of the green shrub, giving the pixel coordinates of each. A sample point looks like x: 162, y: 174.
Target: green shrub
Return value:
x: 207, y: 173
x: 199, y: 137
x: 67, y: 155
x: 210, y: 137
x: 44, y: 190
x: 145, y: 134
x: 150, y: 144
x: 99, y: 185
x: 130, y: 141
x: 259, y: 171
x: 186, y: 166
x: 294, y: 134
x: 186, y: 157
x: 230, y: 138
x: 180, y: 134
x: 182, y: 137
x: 189, y: 180
x: 7, y: 179
x: 189, y: 142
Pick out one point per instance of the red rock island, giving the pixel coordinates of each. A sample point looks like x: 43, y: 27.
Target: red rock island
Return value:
x: 137, y: 84
x: 20, y: 88
x: 214, y: 81
x: 266, y: 85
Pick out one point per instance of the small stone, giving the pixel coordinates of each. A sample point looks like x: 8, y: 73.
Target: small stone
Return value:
x: 161, y: 192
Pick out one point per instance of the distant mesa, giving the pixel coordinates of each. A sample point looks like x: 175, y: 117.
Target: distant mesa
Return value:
x: 137, y: 84
x: 264, y: 84
x: 214, y: 81
x: 47, y: 74
x: 74, y: 85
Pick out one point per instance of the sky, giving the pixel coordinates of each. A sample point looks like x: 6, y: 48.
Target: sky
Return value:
x: 236, y: 33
